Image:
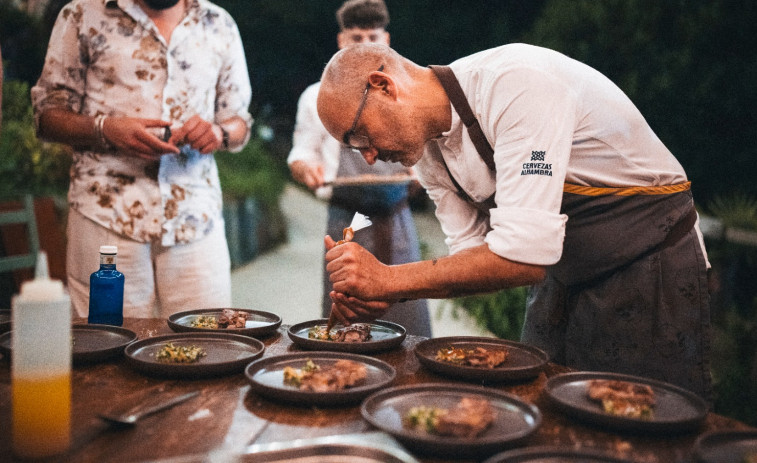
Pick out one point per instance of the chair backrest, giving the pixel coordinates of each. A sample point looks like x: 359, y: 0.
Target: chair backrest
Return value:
x: 25, y: 216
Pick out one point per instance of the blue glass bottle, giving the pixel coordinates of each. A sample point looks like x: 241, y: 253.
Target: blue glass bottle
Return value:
x: 106, y: 290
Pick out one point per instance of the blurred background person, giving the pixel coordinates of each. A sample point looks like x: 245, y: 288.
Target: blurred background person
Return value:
x: 116, y: 75
x: 316, y: 159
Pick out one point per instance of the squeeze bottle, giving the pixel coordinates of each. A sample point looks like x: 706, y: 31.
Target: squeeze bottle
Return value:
x: 41, y: 366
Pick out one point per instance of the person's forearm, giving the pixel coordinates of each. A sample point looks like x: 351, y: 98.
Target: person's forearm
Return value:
x: 236, y: 127
x: 476, y: 270
x: 63, y: 126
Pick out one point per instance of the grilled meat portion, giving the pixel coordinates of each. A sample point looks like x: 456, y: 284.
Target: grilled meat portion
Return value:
x: 357, y: 332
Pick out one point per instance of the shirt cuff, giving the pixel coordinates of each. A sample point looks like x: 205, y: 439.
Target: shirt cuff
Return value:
x: 528, y: 236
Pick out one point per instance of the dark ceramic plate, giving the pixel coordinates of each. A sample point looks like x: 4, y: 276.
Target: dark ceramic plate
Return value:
x: 675, y: 410
x: 267, y: 378
x: 515, y: 419
x: 384, y: 336
x: 554, y: 455
x: 725, y: 446
x: 226, y: 354
x: 94, y: 343
x: 91, y: 343
x: 523, y: 361
x: 259, y: 323
x: 5, y: 320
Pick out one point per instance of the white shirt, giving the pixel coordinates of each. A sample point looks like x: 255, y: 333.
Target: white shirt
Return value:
x: 311, y: 142
x: 550, y: 120
x: 107, y: 57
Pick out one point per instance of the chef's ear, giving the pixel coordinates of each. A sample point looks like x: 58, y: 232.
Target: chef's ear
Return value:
x: 384, y: 83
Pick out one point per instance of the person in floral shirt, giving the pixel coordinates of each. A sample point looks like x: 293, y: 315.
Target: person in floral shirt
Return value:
x: 146, y: 91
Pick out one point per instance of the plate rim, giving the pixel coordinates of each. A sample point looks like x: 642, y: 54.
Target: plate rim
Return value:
x: 597, y: 417
x: 196, y: 370
x: 356, y: 347
x: 352, y: 395
x: 417, y: 439
x: 539, y: 451
x: 89, y: 357
x: 475, y: 373
x: 699, y: 444
x: 259, y: 330
x: 83, y: 358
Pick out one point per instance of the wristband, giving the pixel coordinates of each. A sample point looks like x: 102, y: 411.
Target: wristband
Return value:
x: 99, y: 134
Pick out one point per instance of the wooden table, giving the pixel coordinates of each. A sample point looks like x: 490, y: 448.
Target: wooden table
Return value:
x: 228, y: 413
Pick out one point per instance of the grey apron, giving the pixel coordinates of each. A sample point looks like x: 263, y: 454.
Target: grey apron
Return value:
x: 629, y: 294
x: 392, y: 237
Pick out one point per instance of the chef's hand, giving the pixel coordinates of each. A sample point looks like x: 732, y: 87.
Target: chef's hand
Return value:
x: 348, y: 309
x: 355, y: 271
x: 134, y: 136
x: 200, y: 134
x: 310, y: 175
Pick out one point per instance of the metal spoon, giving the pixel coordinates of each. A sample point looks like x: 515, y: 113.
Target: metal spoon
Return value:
x: 130, y: 418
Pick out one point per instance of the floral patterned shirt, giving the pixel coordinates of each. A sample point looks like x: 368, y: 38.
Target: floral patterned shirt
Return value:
x: 107, y: 57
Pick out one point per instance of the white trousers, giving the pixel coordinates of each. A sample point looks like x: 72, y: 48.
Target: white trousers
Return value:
x: 159, y: 280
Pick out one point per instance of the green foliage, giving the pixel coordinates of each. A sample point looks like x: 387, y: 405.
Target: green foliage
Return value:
x: 687, y: 64
x: 502, y: 313
x: 736, y: 210
x: 28, y: 165
x: 253, y: 172
x: 734, y: 366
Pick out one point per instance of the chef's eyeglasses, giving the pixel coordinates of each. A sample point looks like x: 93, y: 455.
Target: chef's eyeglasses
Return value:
x: 351, y: 139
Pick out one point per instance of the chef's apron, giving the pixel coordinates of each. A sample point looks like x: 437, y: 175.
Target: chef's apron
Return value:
x: 629, y: 294
x: 392, y: 237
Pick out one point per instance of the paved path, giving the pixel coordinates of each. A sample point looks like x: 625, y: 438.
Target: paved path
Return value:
x: 287, y: 280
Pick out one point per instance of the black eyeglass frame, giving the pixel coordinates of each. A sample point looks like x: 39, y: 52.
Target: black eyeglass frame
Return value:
x: 352, y: 139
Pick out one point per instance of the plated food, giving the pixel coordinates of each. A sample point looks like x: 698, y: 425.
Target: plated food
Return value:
x: 319, y: 378
x: 623, y: 398
x: 674, y: 409
x: 479, y: 421
x: 473, y: 357
x: 238, y: 321
x: 340, y: 375
x: 478, y: 358
x: 208, y: 354
x: 357, y: 332
x: 171, y: 353
x: 376, y: 336
x: 228, y: 318
x: 467, y: 418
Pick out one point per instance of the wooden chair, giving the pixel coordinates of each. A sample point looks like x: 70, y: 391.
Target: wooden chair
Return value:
x: 24, y: 216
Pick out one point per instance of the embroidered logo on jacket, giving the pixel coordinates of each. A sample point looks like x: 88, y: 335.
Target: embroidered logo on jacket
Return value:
x: 537, y: 168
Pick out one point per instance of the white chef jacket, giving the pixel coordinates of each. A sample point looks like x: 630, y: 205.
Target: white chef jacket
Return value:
x: 550, y: 120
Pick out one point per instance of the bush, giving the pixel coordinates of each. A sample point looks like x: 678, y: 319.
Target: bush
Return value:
x: 502, y: 313
x: 253, y: 172
x: 28, y: 165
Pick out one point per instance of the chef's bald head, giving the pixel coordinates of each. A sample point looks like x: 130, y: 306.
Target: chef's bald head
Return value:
x: 344, y: 79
